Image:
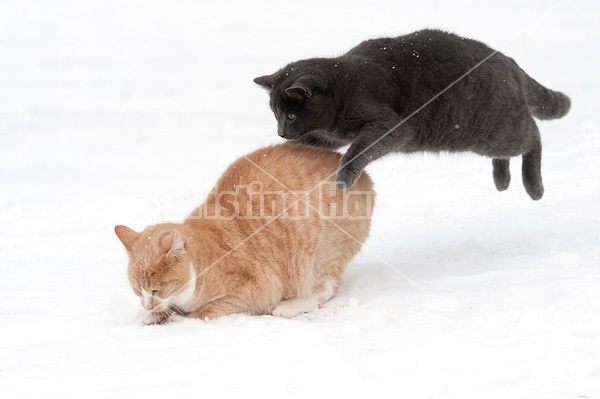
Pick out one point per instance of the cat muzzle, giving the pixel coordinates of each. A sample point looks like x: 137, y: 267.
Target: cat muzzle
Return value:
x: 288, y: 135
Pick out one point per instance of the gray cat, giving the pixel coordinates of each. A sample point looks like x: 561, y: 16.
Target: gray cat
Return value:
x: 426, y: 91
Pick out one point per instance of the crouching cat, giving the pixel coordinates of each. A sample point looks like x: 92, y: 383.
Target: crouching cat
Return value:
x: 274, y: 236
x: 425, y: 91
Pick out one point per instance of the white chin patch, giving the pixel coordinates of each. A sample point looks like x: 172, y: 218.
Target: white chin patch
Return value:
x: 185, y: 296
x: 146, y: 300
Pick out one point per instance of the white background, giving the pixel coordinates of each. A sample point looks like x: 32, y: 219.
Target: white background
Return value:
x: 126, y: 112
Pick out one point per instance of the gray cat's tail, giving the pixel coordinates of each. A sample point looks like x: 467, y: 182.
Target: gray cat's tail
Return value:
x: 545, y: 103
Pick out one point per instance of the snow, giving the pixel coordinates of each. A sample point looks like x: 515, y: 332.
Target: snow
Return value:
x: 126, y: 112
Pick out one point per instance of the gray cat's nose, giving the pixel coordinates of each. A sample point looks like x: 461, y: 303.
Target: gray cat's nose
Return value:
x: 280, y: 132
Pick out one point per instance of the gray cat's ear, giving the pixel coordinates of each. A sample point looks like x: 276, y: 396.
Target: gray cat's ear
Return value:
x: 175, y: 244
x: 127, y: 236
x: 266, y: 81
x: 299, y: 91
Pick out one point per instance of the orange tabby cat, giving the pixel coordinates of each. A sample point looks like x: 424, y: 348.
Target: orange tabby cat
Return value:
x: 273, y: 236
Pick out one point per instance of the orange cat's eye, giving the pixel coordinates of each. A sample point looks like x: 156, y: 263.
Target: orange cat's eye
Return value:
x: 291, y: 117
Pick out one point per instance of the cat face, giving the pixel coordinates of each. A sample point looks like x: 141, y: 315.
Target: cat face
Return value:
x: 160, y: 270
x: 301, y: 104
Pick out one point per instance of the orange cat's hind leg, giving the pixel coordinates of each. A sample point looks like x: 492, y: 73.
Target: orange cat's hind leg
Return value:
x: 294, y: 306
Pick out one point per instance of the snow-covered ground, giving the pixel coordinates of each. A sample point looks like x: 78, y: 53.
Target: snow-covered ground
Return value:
x: 127, y: 112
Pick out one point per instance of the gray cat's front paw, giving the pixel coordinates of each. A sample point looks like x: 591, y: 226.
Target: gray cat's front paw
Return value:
x: 346, y: 178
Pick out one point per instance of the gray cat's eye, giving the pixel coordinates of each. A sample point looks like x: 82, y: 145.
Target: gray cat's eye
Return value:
x: 291, y: 117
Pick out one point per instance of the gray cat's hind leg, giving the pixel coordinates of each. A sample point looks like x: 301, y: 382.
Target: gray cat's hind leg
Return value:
x: 501, y: 173
x: 532, y: 173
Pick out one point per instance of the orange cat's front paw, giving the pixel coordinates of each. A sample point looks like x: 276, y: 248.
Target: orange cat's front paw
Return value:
x: 171, y: 313
x: 159, y: 318
x: 150, y: 319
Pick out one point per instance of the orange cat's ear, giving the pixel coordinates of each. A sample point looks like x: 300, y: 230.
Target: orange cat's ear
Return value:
x: 173, y: 243
x: 127, y: 236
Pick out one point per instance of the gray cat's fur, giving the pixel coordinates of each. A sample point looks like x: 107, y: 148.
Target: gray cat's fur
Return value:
x: 378, y: 98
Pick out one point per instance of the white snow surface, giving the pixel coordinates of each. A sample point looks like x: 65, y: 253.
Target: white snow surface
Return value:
x: 126, y: 112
